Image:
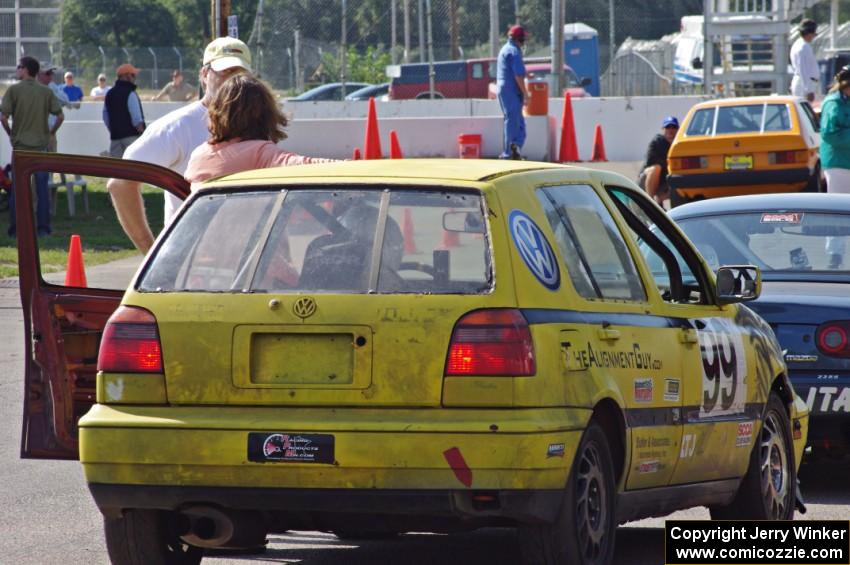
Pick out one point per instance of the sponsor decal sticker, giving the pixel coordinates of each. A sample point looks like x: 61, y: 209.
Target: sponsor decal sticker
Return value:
x: 643, y: 390
x: 782, y: 218
x: 555, y: 450
x: 534, y: 250
x: 745, y: 434
x: 671, y: 390
x: 267, y: 447
x: 689, y: 445
x: 832, y: 398
x: 647, y: 467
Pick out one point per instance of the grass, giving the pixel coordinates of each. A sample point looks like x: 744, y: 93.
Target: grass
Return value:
x: 102, y: 237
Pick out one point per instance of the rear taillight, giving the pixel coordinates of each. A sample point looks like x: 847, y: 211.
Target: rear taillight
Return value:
x: 130, y: 343
x: 786, y: 157
x: 692, y: 162
x: 832, y: 338
x: 491, y: 343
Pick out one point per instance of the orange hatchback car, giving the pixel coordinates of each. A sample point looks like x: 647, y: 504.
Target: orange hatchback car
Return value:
x: 748, y: 145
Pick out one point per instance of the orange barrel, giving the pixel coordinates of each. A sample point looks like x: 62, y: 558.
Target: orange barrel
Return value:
x: 538, y: 98
x: 469, y: 145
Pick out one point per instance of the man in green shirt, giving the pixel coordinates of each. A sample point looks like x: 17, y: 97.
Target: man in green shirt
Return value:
x: 29, y: 104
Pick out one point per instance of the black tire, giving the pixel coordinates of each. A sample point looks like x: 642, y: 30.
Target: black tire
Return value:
x: 767, y: 495
x: 145, y: 537
x: 677, y: 199
x: 815, y: 183
x: 584, y: 531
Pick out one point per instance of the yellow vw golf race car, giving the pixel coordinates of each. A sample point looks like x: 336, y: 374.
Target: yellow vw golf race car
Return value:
x: 376, y: 347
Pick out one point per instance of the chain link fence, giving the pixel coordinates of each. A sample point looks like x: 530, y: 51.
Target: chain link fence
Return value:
x: 297, y: 44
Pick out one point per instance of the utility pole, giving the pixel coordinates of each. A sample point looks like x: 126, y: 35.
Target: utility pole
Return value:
x: 406, y: 31
x: 421, y: 14
x: 393, y: 17
x: 494, y: 28
x: 557, y: 49
x: 516, y: 12
x: 430, y: 53
x: 219, y: 10
x: 453, y: 34
x: 343, y: 48
x: 611, y: 36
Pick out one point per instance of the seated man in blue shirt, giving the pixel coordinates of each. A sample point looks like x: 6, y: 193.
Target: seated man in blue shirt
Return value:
x: 72, y: 91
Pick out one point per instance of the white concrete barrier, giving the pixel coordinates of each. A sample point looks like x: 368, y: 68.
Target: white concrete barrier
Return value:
x: 426, y: 128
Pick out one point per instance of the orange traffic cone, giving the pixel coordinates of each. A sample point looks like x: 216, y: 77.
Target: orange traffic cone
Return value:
x: 75, y: 273
x: 395, y: 148
x: 598, y: 153
x: 356, y: 155
x: 372, y: 142
x: 450, y: 240
x: 407, y: 232
x: 569, y: 147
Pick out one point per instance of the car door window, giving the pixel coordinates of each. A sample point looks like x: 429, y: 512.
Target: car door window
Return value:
x: 477, y: 70
x: 675, y: 269
x: 593, y: 250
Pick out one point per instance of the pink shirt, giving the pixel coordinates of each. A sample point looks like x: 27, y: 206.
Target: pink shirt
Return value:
x: 233, y: 156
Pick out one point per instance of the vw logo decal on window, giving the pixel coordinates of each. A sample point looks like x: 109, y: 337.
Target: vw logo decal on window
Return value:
x: 304, y: 307
x: 535, y: 249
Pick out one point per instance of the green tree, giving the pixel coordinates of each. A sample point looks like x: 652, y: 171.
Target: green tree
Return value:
x: 359, y: 67
x: 118, y: 23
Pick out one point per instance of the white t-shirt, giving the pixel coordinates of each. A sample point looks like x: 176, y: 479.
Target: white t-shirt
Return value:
x: 805, y: 65
x: 169, y: 142
x: 99, y: 90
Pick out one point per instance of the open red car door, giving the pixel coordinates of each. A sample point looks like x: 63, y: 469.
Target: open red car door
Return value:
x: 63, y: 325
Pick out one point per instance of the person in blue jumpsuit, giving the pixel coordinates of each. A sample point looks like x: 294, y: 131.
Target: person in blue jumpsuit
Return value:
x: 510, y: 82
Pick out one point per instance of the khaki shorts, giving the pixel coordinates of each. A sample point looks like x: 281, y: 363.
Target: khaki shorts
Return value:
x: 118, y: 146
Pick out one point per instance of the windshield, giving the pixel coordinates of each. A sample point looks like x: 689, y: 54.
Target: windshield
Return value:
x: 343, y: 240
x: 784, y: 241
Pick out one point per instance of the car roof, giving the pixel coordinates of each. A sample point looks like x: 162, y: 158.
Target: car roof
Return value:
x: 744, y: 100
x: 328, y: 86
x: 810, y: 202
x: 462, y: 170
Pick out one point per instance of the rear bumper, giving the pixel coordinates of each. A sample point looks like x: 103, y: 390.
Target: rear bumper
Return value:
x: 739, y: 178
x: 334, y: 507
x: 206, y: 449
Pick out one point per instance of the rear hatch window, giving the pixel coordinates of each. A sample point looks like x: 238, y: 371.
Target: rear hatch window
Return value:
x: 336, y: 240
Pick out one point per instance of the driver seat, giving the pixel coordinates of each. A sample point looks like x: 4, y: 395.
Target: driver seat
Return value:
x: 331, y: 263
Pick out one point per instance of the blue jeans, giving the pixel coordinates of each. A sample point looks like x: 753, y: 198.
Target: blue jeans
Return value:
x: 511, y: 104
x: 42, y: 211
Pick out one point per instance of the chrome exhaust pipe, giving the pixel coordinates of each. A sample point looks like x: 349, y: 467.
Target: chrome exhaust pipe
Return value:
x: 213, y: 527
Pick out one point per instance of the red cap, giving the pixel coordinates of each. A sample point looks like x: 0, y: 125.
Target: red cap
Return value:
x: 517, y: 32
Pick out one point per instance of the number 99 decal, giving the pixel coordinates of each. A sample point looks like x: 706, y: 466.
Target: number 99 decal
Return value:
x: 724, y: 369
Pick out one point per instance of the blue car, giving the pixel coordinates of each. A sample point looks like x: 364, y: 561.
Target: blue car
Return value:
x: 329, y: 91
x: 377, y: 91
x: 800, y: 243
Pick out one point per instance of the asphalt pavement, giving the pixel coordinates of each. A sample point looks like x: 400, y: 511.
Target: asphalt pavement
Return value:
x: 48, y: 517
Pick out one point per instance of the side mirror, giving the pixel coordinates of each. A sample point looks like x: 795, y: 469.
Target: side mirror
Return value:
x: 738, y: 283
x: 464, y: 222
x: 585, y: 81
x: 696, y: 63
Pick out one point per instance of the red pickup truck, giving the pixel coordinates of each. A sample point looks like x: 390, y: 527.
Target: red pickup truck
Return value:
x: 466, y: 79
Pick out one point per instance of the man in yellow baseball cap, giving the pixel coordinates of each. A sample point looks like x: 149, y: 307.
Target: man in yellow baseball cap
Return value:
x: 170, y: 140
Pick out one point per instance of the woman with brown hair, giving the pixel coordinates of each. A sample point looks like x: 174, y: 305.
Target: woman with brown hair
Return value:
x: 245, y: 125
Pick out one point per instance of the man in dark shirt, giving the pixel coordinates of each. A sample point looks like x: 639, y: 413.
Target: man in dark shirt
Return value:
x: 653, y: 178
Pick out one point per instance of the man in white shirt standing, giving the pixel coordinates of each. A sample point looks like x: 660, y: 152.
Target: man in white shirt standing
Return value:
x: 170, y: 140
x: 804, y: 63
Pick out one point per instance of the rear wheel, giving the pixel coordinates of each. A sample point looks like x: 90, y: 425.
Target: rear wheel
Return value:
x: 676, y: 198
x: 583, y: 532
x: 768, y: 489
x: 147, y: 537
x: 816, y: 182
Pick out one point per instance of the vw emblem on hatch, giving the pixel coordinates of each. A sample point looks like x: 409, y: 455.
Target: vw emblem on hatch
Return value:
x: 304, y: 307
